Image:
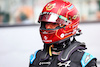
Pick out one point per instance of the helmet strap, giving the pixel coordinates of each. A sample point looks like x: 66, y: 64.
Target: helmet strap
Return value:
x: 50, y: 52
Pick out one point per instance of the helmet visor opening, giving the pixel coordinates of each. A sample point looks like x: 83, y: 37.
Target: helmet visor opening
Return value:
x: 52, y: 17
x: 51, y: 26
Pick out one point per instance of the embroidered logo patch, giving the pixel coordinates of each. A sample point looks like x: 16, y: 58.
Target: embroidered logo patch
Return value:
x: 87, y: 58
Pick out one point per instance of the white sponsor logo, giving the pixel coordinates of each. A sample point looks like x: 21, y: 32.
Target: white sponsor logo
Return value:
x: 75, y: 25
x: 45, y: 37
x: 45, y: 32
x: 41, y: 63
x: 68, y: 33
x: 67, y: 63
x: 47, y: 40
x: 50, y: 13
x: 87, y: 58
x: 62, y: 35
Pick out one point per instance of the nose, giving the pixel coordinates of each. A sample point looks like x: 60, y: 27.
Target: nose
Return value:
x: 51, y: 26
x: 48, y: 26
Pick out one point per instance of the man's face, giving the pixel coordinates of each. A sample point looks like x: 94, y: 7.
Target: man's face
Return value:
x: 51, y: 25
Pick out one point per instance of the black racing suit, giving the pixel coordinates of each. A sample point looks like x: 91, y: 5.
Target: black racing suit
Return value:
x: 73, y: 56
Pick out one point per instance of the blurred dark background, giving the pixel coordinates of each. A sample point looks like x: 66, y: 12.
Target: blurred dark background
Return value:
x: 27, y: 11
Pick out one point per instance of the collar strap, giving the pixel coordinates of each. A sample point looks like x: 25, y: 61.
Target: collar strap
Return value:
x: 65, y: 54
x: 50, y: 53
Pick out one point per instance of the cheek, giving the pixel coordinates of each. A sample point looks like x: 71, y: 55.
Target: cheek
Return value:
x: 47, y: 26
x: 50, y: 26
x: 56, y: 26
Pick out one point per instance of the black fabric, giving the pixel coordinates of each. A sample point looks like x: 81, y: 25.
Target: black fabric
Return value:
x: 72, y: 48
x: 36, y: 61
x: 75, y: 60
x: 76, y: 56
x: 44, y: 60
x: 92, y: 63
x: 59, y: 46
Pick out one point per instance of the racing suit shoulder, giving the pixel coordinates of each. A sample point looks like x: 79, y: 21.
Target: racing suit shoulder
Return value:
x: 83, y: 58
x: 77, y: 55
x: 37, y: 57
x: 88, y: 60
x: 33, y: 56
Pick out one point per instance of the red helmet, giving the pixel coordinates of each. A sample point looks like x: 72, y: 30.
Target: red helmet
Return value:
x: 63, y: 13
